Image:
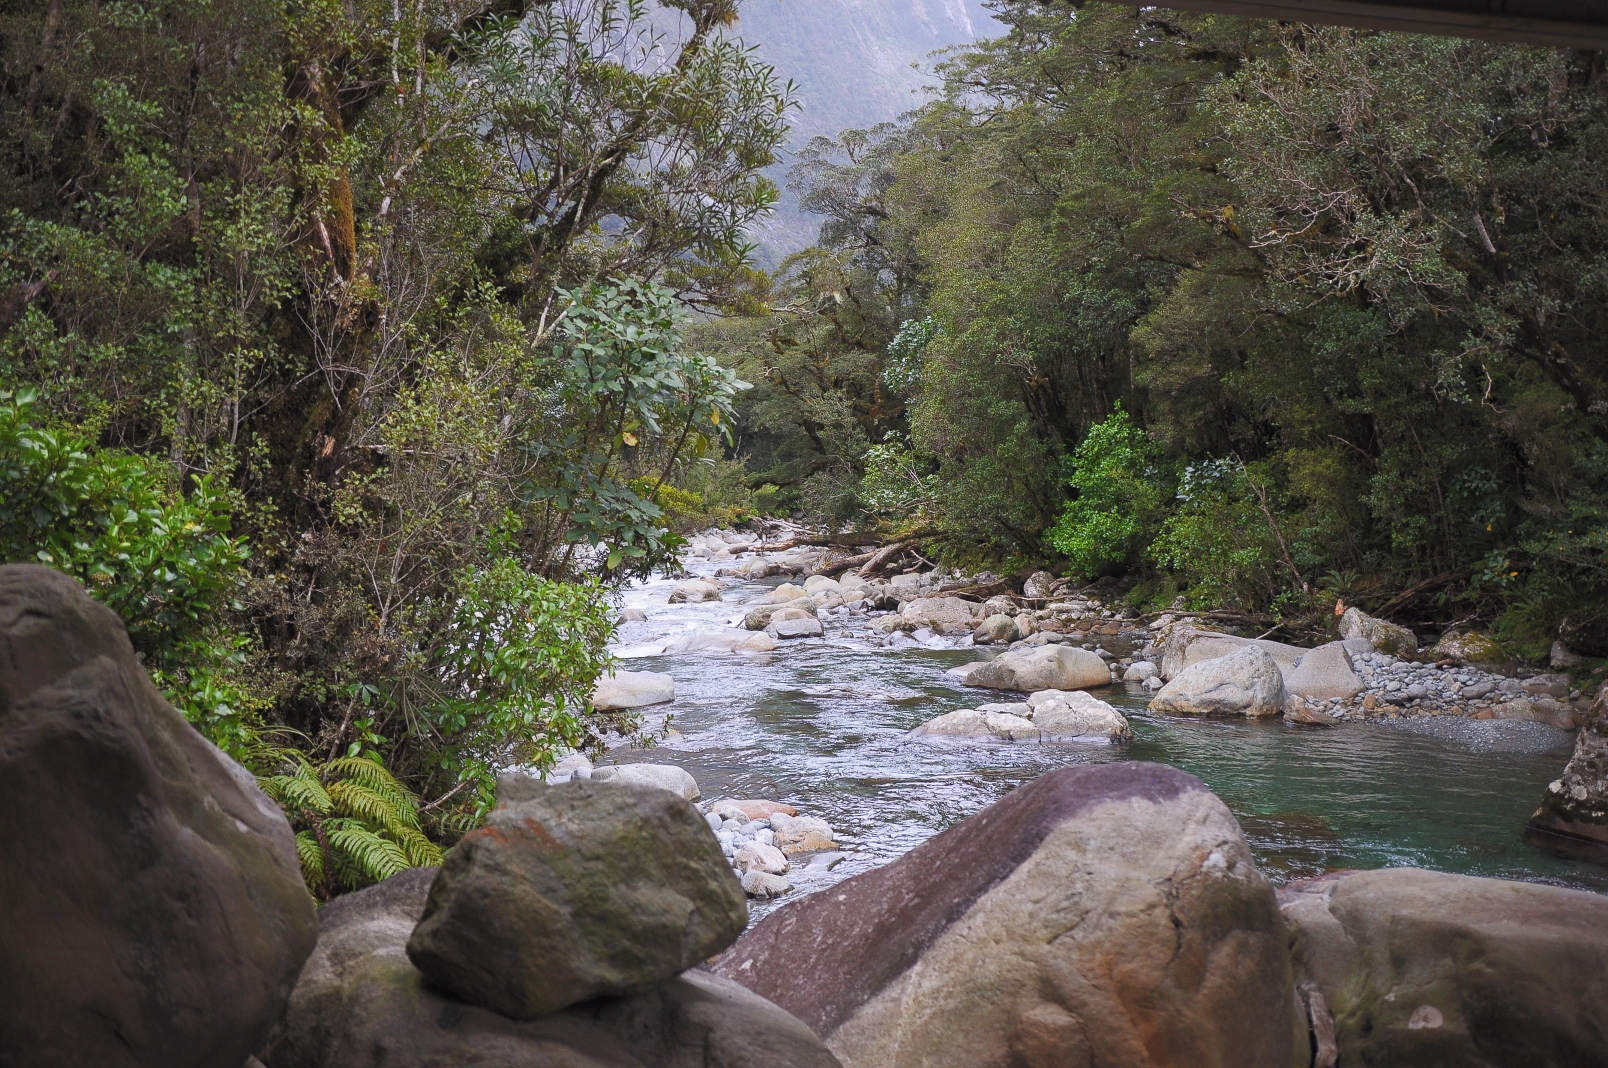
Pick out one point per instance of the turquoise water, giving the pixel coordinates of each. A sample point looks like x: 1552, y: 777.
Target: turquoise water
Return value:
x: 822, y: 725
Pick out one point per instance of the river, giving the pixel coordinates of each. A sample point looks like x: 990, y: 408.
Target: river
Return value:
x: 821, y: 724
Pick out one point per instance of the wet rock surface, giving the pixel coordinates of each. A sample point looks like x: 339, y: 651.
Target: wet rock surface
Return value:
x: 1105, y: 915
x: 155, y: 914
x: 1575, y: 804
x: 1246, y: 682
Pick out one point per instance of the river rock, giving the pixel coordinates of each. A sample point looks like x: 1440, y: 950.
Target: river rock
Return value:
x: 1185, y: 646
x: 1049, y: 667
x: 761, y: 857
x: 360, y: 1001
x: 947, y: 615
x: 821, y: 584
x: 1076, y: 714
x: 801, y: 834
x: 999, y: 629
x: 1246, y: 682
x: 1037, y: 585
x: 633, y: 689
x: 759, y: 616
x: 1553, y: 685
x: 764, y: 884
x: 784, y: 593
x: 1385, y: 637
x: 1575, y: 804
x: 659, y: 776
x: 1563, y: 658
x: 694, y: 591
x: 1101, y: 915
x: 575, y: 891
x: 1548, y: 710
x: 751, y: 810
x: 632, y: 615
x: 803, y: 625
x: 722, y: 641
x: 154, y: 910
x: 1422, y: 968
x: 1297, y: 711
x: 1475, y: 650
x: 1323, y: 673
x: 1139, y: 671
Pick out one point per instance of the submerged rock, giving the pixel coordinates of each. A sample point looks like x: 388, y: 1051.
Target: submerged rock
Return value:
x: 1575, y: 804
x: 575, y: 891
x: 360, y: 1001
x: 1101, y: 915
x: 633, y: 689
x: 1422, y: 968
x: 1246, y: 682
x: 1049, y: 667
x: 1385, y: 637
x: 154, y: 910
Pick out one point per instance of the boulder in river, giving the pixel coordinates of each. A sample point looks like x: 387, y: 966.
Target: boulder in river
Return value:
x: 678, y: 781
x: 785, y: 625
x: 1383, y: 636
x: 946, y: 615
x: 784, y: 593
x: 759, y: 616
x: 1474, y: 649
x: 633, y: 689
x: 576, y: 891
x: 751, y: 809
x: 154, y: 910
x: 1184, y: 646
x: 1421, y: 968
x: 1101, y: 915
x: 1548, y: 710
x: 801, y: 834
x: 360, y: 1001
x: 1076, y: 714
x: 998, y: 629
x: 1575, y: 804
x: 694, y: 591
x: 1246, y: 682
x: 1048, y: 667
x: 977, y: 723
x: 1324, y: 672
x: 1037, y: 585
x: 721, y: 641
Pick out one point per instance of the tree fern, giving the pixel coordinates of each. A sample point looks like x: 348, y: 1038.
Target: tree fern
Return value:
x: 355, y: 823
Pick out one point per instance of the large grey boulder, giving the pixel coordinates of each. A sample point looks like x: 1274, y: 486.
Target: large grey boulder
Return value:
x: 575, y: 891
x: 1383, y: 636
x: 154, y: 911
x: 678, y: 781
x: 1419, y: 968
x: 759, y: 616
x: 1575, y: 804
x: 633, y: 689
x: 1076, y: 714
x: 1246, y: 682
x: 788, y: 625
x: 361, y: 1003
x: 1104, y: 916
x: 721, y: 641
x: 947, y: 615
x: 979, y: 723
x: 997, y: 629
x: 1324, y: 672
x: 1185, y: 646
x: 1048, y: 667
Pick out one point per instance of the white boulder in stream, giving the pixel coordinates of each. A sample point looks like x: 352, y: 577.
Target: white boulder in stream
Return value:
x: 694, y: 591
x: 1325, y: 672
x: 1076, y: 714
x: 1246, y: 682
x: 1049, y: 667
x: 633, y: 689
x: 663, y: 776
x: 721, y: 641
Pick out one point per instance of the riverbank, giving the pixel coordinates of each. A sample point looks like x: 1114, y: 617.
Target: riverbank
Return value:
x: 823, y: 724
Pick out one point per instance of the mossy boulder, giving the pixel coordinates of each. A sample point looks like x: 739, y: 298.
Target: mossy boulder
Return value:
x: 575, y: 891
x: 1386, y: 637
x: 1475, y: 650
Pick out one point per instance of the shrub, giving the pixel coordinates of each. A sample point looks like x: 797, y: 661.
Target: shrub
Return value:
x: 1119, y: 495
x: 1217, y: 540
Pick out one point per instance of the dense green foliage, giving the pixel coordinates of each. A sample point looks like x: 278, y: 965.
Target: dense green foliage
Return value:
x: 1352, y: 286
x: 390, y: 295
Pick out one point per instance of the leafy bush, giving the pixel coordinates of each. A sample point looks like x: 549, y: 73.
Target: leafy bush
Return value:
x: 1119, y: 494
x: 902, y: 368
x: 163, y: 561
x: 898, y: 482
x: 1217, y: 540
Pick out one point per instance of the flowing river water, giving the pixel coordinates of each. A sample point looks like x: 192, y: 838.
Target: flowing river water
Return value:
x: 821, y: 724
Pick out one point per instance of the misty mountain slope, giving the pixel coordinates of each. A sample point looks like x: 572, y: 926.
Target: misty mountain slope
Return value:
x: 853, y: 63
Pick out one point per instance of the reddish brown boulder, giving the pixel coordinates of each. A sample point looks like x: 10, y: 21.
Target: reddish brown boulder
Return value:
x: 1099, y: 917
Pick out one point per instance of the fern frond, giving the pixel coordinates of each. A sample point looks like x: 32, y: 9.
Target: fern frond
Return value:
x: 298, y: 792
x: 422, y: 852
x: 355, y: 799
x: 311, y: 855
x: 363, y: 853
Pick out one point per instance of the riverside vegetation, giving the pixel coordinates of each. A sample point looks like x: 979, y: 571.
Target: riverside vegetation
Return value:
x: 354, y: 366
